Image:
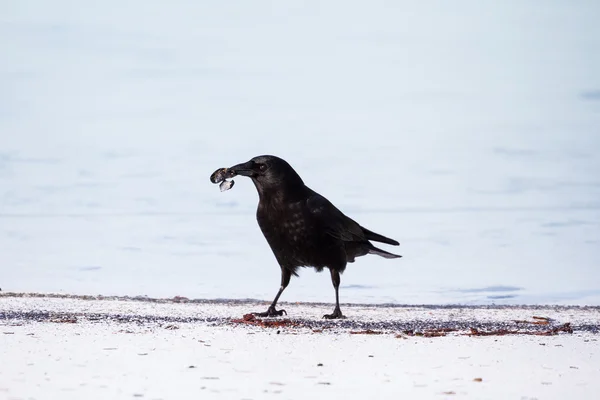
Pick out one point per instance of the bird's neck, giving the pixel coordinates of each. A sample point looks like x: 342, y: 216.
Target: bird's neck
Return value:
x: 281, y: 194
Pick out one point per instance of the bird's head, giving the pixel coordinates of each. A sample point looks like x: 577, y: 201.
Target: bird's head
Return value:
x: 269, y: 174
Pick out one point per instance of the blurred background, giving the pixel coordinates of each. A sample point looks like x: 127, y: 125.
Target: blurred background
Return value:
x: 468, y: 131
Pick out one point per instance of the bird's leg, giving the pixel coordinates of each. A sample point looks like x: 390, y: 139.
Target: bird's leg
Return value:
x: 335, y: 279
x: 272, y: 312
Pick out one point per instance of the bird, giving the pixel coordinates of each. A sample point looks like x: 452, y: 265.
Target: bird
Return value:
x: 303, y: 228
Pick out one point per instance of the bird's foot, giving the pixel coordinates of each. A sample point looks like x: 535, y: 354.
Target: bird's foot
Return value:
x: 337, y: 314
x: 271, y: 312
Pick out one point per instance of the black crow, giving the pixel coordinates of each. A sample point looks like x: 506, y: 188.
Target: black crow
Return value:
x: 302, y: 227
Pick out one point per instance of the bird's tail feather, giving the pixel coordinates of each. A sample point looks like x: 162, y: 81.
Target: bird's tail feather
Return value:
x: 382, y: 253
x: 370, y: 235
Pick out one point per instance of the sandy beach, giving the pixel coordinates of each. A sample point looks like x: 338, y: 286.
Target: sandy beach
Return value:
x: 74, y: 347
x: 467, y: 131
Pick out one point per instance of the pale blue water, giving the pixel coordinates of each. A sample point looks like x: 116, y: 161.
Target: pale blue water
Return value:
x: 470, y: 132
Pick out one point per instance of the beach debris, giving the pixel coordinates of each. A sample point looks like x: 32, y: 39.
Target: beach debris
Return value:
x: 366, y: 332
x: 64, y: 319
x: 171, y: 327
x: 192, y: 367
x: 434, y: 332
x: 449, y: 392
x: 478, y: 380
x: 566, y: 328
x: 536, y: 321
x: 408, y: 332
x: 220, y: 176
x: 246, y: 318
x: 498, y: 332
x: 544, y: 319
x: 319, y: 364
x: 437, y: 332
x: 250, y: 319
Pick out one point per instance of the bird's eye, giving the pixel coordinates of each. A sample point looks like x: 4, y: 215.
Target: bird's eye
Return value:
x: 262, y: 167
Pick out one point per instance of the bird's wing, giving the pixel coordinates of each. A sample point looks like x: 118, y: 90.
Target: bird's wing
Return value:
x: 332, y: 221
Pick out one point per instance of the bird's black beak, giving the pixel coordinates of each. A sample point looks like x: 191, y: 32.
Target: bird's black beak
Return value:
x: 244, y: 169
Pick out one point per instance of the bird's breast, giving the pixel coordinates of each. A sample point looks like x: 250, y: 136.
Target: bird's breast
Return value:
x: 289, y: 233
x: 289, y: 224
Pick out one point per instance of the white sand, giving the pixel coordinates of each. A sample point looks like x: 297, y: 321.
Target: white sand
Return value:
x: 153, y: 360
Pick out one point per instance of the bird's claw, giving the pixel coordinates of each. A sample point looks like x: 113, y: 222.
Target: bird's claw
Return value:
x: 337, y: 314
x: 271, y: 312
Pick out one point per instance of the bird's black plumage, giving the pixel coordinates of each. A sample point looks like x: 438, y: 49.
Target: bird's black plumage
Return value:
x: 302, y: 227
